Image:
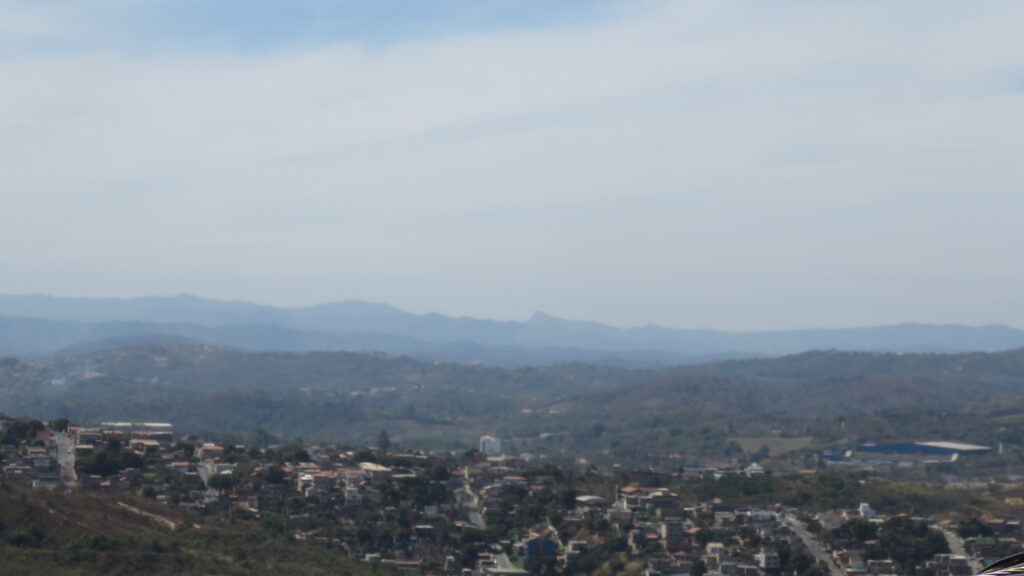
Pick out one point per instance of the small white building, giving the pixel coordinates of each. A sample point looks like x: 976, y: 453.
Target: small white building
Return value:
x: 754, y: 469
x: 865, y: 510
x: 768, y: 561
x: 490, y: 445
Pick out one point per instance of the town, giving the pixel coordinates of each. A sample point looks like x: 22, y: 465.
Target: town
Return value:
x: 485, y: 512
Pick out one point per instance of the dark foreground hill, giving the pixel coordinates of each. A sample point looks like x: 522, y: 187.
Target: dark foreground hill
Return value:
x: 46, y: 533
x: 597, y: 411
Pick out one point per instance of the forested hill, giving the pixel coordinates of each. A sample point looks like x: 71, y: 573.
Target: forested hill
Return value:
x: 829, y: 363
x: 331, y: 395
x: 825, y: 383
x: 343, y: 396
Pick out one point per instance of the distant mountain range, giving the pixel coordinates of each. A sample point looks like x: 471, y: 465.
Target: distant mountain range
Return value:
x: 41, y: 325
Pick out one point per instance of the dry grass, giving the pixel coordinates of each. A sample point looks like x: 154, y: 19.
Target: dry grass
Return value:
x: 776, y: 446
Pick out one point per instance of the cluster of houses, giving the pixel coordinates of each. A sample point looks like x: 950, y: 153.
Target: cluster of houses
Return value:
x: 653, y: 522
x: 1003, y: 537
x: 34, y: 458
x: 968, y: 555
x: 711, y: 538
x: 640, y: 517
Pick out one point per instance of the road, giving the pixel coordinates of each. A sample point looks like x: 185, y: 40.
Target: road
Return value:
x: 556, y: 535
x: 956, y: 546
x: 502, y: 561
x: 206, y: 471
x: 812, y: 545
x: 66, y: 459
x: 468, y: 503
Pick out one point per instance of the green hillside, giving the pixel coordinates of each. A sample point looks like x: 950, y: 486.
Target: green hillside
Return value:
x: 49, y: 533
x: 601, y: 412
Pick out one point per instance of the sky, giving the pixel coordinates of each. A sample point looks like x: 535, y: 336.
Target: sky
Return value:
x: 727, y: 164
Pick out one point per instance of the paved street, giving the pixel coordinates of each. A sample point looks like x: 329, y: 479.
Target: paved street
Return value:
x: 469, y: 505
x: 812, y: 545
x: 66, y: 459
x: 956, y: 546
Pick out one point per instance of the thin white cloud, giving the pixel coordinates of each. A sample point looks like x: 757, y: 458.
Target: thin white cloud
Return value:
x: 677, y: 165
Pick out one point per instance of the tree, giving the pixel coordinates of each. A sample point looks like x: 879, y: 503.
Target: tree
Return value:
x: 858, y: 529
x: 383, y: 441
x: 260, y: 437
x: 274, y: 475
x: 60, y: 424
x: 21, y: 430
x: 973, y: 527
x: 222, y: 482
x: 762, y: 454
x: 568, y: 498
x: 440, y: 473
x: 295, y: 453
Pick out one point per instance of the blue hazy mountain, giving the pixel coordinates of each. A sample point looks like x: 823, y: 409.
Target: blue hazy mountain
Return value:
x: 38, y: 324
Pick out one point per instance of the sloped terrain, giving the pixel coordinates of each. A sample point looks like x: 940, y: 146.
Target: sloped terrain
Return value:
x: 45, y: 533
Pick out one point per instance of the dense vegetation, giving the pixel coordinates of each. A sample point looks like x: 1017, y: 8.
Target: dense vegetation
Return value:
x: 108, y: 460
x: 608, y: 414
x: 829, y: 492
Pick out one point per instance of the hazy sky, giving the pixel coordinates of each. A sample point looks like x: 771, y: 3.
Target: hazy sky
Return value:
x: 716, y: 164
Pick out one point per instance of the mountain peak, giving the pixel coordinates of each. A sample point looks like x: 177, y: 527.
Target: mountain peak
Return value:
x: 540, y: 317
